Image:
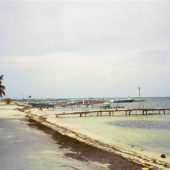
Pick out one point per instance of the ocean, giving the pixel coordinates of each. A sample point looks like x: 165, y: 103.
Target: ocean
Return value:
x: 151, y: 133
x: 151, y: 102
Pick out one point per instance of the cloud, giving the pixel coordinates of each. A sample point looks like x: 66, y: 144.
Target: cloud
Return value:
x: 48, y: 27
x: 84, y: 48
x: 81, y: 74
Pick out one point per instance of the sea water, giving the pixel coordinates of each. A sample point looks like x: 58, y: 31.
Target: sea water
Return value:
x: 149, y: 102
x: 151, y: 133
x: 154, y: 130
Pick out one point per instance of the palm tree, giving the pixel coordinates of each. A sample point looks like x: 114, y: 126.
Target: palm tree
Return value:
x: 2, y: 87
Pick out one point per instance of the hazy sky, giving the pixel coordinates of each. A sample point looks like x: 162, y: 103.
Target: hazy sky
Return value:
x: 85, y: 49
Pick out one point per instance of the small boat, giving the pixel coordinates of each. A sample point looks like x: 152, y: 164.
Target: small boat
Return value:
x: 42, y: 105
x: 129, y: 100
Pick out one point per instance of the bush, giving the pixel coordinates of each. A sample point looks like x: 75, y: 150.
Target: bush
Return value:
x: 7, y: 100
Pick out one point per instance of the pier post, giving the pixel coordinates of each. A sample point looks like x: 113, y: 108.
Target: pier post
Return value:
x: 129, y: 113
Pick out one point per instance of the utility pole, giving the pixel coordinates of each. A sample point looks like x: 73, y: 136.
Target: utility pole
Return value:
x: 139, y: 97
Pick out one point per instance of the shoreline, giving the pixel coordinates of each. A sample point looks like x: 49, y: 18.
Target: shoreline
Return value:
x: 126, y: 154
x: 87, y: 152
x: 129, y: 155
x: 79, y: 150
x: 25, y: 146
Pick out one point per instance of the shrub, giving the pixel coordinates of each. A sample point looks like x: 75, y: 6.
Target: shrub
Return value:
x: 7, y: 100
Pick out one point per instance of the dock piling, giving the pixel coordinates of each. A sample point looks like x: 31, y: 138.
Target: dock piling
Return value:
x: 110, y: 112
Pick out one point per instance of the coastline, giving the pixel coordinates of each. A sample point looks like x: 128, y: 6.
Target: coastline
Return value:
x: 25, y: 146
x: 130, y: 155
x: 93, y: 142
x: 73, y: 149
x: 86, y: 152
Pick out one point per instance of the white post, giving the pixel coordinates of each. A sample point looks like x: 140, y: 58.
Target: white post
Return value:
x: 139, y: 97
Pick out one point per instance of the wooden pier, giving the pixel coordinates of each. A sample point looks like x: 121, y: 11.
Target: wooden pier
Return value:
x: 110, y: 112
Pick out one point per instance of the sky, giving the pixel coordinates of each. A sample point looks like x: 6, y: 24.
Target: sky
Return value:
x: 59, y: 49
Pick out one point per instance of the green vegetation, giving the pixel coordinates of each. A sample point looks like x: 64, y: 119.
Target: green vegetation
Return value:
x: 7, y: 100
x: 2, y: 87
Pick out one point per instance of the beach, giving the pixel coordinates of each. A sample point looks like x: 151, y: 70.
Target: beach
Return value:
x: 143, y: 143
x: 97, y: 131
x: 116, y: 147
x: 26, y: 144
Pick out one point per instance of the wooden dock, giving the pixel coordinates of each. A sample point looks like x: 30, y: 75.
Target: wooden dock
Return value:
x: 110, y: 112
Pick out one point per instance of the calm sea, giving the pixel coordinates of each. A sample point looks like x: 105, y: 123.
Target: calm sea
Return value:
x: 149, y: 102
x: 153, y: 132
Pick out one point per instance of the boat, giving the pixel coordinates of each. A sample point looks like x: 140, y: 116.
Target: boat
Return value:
x: 42, y: 105
x: 129, y: 100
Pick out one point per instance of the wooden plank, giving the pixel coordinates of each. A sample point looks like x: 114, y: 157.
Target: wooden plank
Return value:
x: 109, y: 111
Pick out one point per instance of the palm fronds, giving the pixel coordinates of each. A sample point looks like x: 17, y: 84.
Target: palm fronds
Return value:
x: 2, y: 87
